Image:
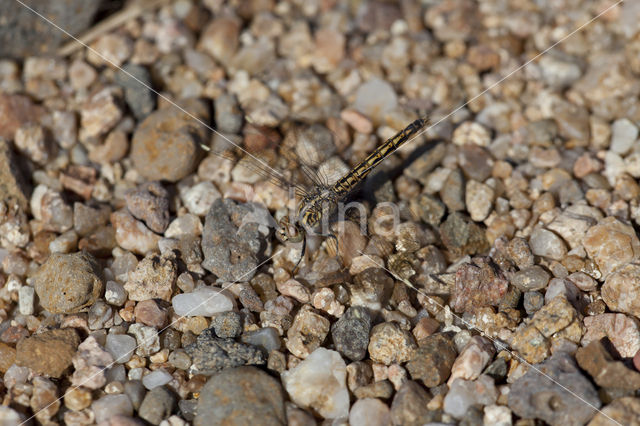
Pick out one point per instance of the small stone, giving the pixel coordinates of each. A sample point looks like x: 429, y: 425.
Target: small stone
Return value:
x: 391, y: 344
x: 154, y: 277
x: 49, y: 207
x: 351, y: 333
x: 31, y: 141
x: 211, y: 354
x: 136, y: 80
x: 369, y: 411
x: 100, y: 113
x: 150, y: 312
x: 307, y: 333
x: 531, y: 344
x: 77, y: 398
x: 463, y: 394
x: 14, y: 185
x: 624, y: 411
x: 621, y: 290
x: 165, y: 145
x: 611, y: 244
x: 7, y: 357
x: 44, y: 400
x: 472, y: 360
x: 228, y: 324
x: 115, y: 293
x: 623, y: 135
x: 475, y: 162
x: 478, y: 284
x: 532, y: 301
x: 462, y: 236
x: 479, y: 200
x: 49, y: 352
x: 596, y: 360
x: 184, y: 225
x: 199, y: 198
x: 15, y: 111
x: 409, y: 406
x: 148, y: 341
x: 120, y: 346
x: 110, y: 49
x: 99, y: 314
x: 433, y: 360
x: 375, y: 98
x: 623, y: 331
x: 359, y: 122
x: 520, y: 252
x: 531, y: 279
x: 90, y: 363
x: 156, y: 378
x: 68, y: 283
x: 294, y: 289
x: 204, y: 301
x: 498, y: 415
x: 319, y: 383
x: 470, y: 132
x: 150, y: 203
x: 266, y: 338
x: 112, y: 405
x: 574, y: 222
x: 547, y: 244
x: 231, y: 240
x: 369, y: 289
x: 25, y: 300
x: 241, y: 395
x: 133, y: 235
x: 536, y: 395
x: 452, y: 192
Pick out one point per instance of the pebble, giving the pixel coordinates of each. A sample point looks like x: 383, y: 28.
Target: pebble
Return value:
x: 547, y: 244
x: 294, y: 289
x: 7, y: 357
x: 433, y: 359
x: 611, y: 244
x: 319, y: 383
x: 49, y: 352
x: 99, y: 314
x: 623, y: 410
x: 621, y: 290
x: 157, y: 405
x: 266, y: 338
x: 241, y: 396
x: 111, y: 405
x: 462, y: 236
x: 475, y: 162
x: 211, y: 354
x: 389, y: 344
x: 531, y: 279
x: 573, y: 223
x: 30, y: 140
x: 350, y: 333
x: 136, y: 81
x: 90, y: 363
x: 369, y: 289
x: 165, y: 145
x: 10, y: 417
x: 100, y: 113
x: 596, y: 360
x: 114, y: 293
x: 622, y: 330
x: 359, y: 122
x: 199, y: 198
x: 369, y: 411
x: 374, y: 99
x: 229, y: 244
x: 497, y: 415
x: 17, y: 110
x: 409, y: 405
x: 203, y: 301
x: 156, y: 378
x: 538, y: 396
x: 382, y: 389
x: 470, y: 132
x: 452, y: 192
x: 68, y: 283
x: 25, y: 300
x: 463, y: 394
x: 154, y: 277
x: 150, y: 203
x: 228, y: 324
x: 478, y: 284
x: 307, y: 333
x: 77, y: 399
x: 44, y: 400
x: 475, y: 356
x: 111, y: 50
x: 148, y: 341
x: 14, y: 182
x: 120, y: 346
x: 623, y: 135
x: 49, y: 207
x: 150, y: 312
x: 132, y: 234
x: 479, y: 200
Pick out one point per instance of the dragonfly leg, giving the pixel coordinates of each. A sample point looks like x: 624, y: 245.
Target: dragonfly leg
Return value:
x: 302, y: 253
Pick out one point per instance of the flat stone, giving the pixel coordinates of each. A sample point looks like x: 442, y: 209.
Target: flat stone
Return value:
x: 596, y: 360
x: 49, y: 352
x: 350, y: 333
x: 622, y: 330
x: 389, y: 343
x: 211, y: 354
x: 621, y: 290
x: 611, y: 244
x: 154, y: 277
x: 433, y: 360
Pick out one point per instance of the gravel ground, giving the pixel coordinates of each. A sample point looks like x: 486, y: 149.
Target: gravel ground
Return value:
x: 141, y: 280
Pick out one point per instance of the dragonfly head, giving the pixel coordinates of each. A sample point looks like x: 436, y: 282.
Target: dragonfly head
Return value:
x: 289, y: 231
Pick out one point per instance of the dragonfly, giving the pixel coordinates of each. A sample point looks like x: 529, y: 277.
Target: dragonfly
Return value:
x: 320, y: 200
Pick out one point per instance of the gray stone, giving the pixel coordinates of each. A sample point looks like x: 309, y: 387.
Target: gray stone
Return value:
x: 211, y: 354
x: 351, y: 333
x: 157, y: 405
x: 241, y: 396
